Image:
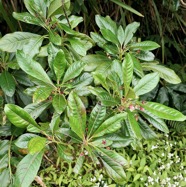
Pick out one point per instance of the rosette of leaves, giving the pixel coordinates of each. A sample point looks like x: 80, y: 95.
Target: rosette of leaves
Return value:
x: 125, y: 70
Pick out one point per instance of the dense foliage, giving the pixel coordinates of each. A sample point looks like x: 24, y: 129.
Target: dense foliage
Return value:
x: 73, y: 99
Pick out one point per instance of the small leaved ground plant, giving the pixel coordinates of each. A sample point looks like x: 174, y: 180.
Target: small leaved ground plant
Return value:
x: 61, y: 100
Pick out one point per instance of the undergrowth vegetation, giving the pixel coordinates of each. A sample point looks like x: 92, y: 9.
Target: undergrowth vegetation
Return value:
x: 87, y: 98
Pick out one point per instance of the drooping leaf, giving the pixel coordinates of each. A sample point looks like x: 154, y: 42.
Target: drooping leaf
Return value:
x: 96, y: 118
x: 129, y: 32
x: 127, y: 67
x: 41, y: 94
x: 18, y: 116
x: 146, y: 84
x: 27, y: 169
x: 110, y: 125
x: 127, y: 7
x: 163, y: 111
x: 33, y: 68
x: 59, y: 103
x: 22, y: 141
x: 16, y: 41
x: 165, y: 73
x: 36, y: 144
x: 133, y: 126
x: 73, y: 71
x: 144, y: 46
x: 59, y: 64
x: 113, y: 163
x: 77, y: 114
x: 7, y: 83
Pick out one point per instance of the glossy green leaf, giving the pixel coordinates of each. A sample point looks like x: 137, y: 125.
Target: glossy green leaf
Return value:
x: 41, y: 94
x: 23, y: 78
x: 145, y: 55
x: 146, y: 131
x: 33, y: 68
x: 36, y: 109
x: 120, y: 35
x: 77, y: 114
x: 54, y: 124
x: 59, y: 64
x: 55, y: 38
x: 33, y: 46
x: 155, y: 121
x: 7, y: 83
x: 73, y: 20
x: 36, y: 7
x: 59, y: 103
x: 81, y: 46
x: 113, y: 163
x: 146, y: 84
x: 119, y: 140
x: 107, y: 99
x: 79, y: 164
x: 36, y: 144
x: 62, y: 152
x: 133, y: 126
x: 110, y: 125
x: 27, y: 169
x: 84, y: 80
x: 22, y: 141
x: 137, y: 66
x: 129, y: 32
x: 101, y: 142
x: 16, y: 41
x: 163, y: 111
x: 18, y: 116
x: 73, y: 71
x: 106, y: 23
x: 96, y: 118
x: 27, y: 18
x: 5, y: 177
x: 127, y: 67
x: 127, y: 7
x: 56, y: 7
x: 98, y: 39
x: 165, y: 73
x: 94, y: 60
x: 144, y: 46
x: 109, y: 36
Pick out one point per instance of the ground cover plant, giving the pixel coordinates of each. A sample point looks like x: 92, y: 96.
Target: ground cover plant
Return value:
x: 77, y: 97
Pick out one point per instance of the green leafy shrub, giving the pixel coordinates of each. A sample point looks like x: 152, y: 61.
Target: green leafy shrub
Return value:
x: 80, y: 106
